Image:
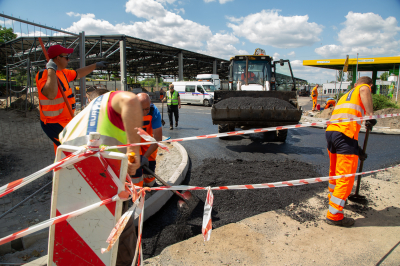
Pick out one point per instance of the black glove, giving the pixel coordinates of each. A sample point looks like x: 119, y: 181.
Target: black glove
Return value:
x: 101, y: 64
x: 361, y: 154
x: 370, y: 123
x: 144, y: 162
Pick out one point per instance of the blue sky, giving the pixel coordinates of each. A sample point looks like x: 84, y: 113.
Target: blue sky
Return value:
x: 295, y: 30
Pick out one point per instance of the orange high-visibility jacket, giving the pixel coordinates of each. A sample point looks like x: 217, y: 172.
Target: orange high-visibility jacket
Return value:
x: 148, y: 128
x: 56, y: 111
x: 349, y: 106
x: 314, y: 92
x: 330, y: 103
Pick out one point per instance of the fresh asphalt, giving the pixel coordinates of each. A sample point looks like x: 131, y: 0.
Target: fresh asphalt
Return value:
x: 304, y: 144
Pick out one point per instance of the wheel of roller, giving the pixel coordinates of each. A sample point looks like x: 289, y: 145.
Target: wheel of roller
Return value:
x: 281, y: 135
x: 222, y: 129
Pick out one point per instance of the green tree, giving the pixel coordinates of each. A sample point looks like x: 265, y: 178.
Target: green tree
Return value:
x: 350, y: 76
x: 6, y: 34
x: 384, y: 76
x: 340, y: 76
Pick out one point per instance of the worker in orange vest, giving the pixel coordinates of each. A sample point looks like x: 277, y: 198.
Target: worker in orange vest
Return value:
x: 152, y: 125
x: 54, y: 114
x: 343, y: 148
x: 314, y: 96
x: 330, y: 102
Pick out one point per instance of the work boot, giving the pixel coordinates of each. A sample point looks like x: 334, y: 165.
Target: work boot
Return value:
x: 176, y: 124
x: 345, y: 222
x: 171, y: 127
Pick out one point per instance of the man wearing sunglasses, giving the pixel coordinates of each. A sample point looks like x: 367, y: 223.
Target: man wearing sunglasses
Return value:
x: 54, y: 114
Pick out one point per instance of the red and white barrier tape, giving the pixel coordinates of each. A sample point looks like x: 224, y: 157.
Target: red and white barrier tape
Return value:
x: 275, y: 184
x: 258, y: 130
x: 54, y: 220
x: 146, y: 136
x: 207, y: 223
x: 71, y: 159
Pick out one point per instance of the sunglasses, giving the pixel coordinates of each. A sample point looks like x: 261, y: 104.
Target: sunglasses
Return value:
x: 65, y: 56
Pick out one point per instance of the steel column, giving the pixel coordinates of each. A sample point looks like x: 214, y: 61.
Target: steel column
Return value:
x: 122, y: 53
x: 215, y: 67
x: 82, y: 80
x: 180, y: 66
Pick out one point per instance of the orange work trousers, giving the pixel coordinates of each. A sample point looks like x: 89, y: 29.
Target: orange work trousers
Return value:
x: 314, y: 103
x: 343, y: 156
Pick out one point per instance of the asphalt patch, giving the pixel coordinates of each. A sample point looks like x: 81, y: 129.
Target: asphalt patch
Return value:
x: 171, y: 225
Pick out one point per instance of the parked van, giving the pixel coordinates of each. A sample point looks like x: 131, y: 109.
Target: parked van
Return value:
x: 213, y: 78
x: 195, y: 92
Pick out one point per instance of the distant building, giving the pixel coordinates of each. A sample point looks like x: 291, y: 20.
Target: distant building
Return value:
x: 333, y: 88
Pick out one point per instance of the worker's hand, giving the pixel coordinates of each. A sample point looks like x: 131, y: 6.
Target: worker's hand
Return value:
x: 51, y: 65
x: 370, y: 123
x: 179, y: 106
x: 144, y: 162
x: 133, y: 166
x: 101, y: 64
x: 361, y: 154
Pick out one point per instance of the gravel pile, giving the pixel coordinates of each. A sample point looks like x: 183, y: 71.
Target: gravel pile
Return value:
x: 168, y: 226
x: 267, y: 103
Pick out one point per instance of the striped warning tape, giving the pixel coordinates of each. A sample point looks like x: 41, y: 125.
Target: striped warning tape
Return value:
x: 258, y: 130
x: 71, y: 159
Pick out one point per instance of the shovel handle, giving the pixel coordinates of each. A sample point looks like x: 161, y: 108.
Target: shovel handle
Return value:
x: 163, y: 182
x: 362, y: 163
x: 58, y: 82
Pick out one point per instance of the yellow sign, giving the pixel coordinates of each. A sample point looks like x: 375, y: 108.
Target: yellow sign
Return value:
x: 346, y: 64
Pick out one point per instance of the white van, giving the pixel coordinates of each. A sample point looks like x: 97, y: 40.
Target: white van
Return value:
x: 213, y: 78
x: 195, y: 92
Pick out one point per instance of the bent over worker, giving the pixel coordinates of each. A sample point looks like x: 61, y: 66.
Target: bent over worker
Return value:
x: 54, y: 114
x: 116, y: 116
x: 152, y: 125
x: 330, y: 103
x: 314, y: 96
x: 343, y: 148
x: 174, y: 104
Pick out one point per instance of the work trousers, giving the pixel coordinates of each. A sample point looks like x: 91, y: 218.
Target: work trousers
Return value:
x: 52, y: 130
x: 343, y: 155
x: 127, y: 241
x: 173, y: 109
x: 314, y: 103
x: 142, y: 178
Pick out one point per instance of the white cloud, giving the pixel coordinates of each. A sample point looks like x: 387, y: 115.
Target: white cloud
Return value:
x: 367, y: 34
x: 292, y: 53
x: 276, y: 56
x: 269, y: 28
x: 73, y: 14
x: 162, y: 26
x: 220, y: 1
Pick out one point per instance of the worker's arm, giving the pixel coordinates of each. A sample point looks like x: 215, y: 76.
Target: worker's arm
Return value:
x: 179, y: 101
x: 50, y: 89
x: 128, y: 105
x: 366, y: 99
x: 82, y: 72
x: 157, y: 133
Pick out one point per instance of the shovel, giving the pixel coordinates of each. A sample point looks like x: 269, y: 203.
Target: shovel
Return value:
x: 162, y: 113
x: 185, y: 197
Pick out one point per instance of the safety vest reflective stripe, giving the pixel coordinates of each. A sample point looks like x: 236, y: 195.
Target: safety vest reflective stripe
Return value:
x: 333, y: 210
x: 332, y: 186
x: 172, y: 99
x: 52, y: 102
x: 349, y: 105
x: 53, y: 113
x: 344, y: 115
x: 338, y: 201
x: 138, y: 181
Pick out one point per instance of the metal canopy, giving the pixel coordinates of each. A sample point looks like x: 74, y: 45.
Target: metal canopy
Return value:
x: 364, y: 64
x: 142, y: 57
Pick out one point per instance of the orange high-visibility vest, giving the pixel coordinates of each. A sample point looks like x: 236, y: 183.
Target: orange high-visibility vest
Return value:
x: 56, y: 111
x: 330, y: 103
x: 148, y: 128
x: 349, y: 106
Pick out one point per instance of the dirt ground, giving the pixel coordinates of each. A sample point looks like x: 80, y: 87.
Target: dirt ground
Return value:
x: 297, y: 234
